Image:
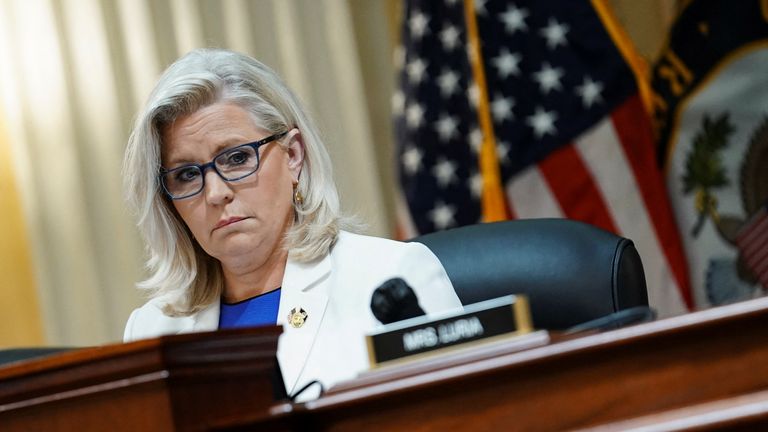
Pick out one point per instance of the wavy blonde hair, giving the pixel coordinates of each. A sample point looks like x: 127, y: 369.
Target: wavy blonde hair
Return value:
x: 182, y: 273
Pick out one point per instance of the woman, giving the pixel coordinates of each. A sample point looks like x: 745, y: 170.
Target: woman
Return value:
x: 234, y: 195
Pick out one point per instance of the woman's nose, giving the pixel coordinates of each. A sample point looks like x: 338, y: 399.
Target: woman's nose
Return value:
x: 217, y: 190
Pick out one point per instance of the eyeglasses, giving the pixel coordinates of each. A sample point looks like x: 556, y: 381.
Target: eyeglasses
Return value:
x: 231, y: 165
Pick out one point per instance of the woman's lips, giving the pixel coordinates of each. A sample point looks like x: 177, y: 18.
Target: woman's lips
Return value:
x: 228, y: 221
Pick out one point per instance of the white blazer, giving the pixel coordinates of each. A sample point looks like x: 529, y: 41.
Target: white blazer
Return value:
x: 335, y: 291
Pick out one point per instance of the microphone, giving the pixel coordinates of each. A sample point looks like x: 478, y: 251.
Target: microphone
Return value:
x: 394, y: 300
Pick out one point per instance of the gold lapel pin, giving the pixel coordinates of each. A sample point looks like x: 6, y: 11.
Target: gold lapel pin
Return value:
x: 297, y: 317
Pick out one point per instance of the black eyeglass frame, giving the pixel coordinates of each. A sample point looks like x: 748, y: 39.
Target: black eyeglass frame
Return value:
x: 212, y: 165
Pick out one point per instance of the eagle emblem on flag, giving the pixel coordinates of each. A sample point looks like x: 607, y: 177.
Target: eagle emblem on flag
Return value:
x: 728, y: 279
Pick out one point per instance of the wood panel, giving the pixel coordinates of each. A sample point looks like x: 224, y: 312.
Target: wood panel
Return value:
x: 702, y: 371
x: 739, y: 413
x: 181, y: 382
x: 650, y: 368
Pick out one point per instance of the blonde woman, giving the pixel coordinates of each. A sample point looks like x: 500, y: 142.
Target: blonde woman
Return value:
x: 234, y: 195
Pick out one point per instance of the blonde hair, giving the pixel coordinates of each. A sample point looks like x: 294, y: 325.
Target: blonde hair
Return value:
x: 182, y: 273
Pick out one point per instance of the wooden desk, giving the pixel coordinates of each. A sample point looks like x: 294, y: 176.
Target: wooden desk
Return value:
x: 701, y: 371
x: 182, y: 382
x: 672, y: 373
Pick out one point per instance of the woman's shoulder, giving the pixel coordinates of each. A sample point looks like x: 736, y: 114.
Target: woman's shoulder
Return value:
x: 362, y: 247
x: 347, y: 239
x: 153, y: 308
x: 150, y: 321
x: 369, y: 261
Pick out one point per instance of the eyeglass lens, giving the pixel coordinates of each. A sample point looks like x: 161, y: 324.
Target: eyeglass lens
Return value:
x: 231, y: 165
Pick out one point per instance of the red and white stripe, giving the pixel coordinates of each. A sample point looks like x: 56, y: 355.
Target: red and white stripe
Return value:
x: 752, y: 242
x: 608, y: 178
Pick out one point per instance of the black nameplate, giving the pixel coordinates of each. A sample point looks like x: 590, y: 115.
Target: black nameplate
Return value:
x: 489, y: 319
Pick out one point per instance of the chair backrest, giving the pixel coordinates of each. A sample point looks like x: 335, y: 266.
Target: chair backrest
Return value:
x: 11, y: 355
x: 571, y: 272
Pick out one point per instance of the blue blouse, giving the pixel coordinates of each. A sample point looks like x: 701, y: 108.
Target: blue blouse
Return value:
x: 255, y: 311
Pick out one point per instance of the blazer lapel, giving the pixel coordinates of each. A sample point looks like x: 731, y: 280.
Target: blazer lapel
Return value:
x: 305, y: 286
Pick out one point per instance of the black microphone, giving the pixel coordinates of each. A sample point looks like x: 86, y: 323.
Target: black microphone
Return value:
x: 393, y: 301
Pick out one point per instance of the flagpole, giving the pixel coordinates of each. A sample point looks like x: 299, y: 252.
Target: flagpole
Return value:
x: 493, y: 202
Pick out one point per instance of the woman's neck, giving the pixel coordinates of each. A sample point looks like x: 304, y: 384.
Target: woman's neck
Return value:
x: 243, y: 281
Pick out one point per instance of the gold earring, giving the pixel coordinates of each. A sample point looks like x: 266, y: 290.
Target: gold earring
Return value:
x: 298, y: 198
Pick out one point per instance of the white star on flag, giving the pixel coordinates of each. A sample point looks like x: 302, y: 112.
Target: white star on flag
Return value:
x: 411, y: 160
x: 514, y: 19
x: 473, y: 93
x: 444, y: 172
x: 415, y: 70
x: 507, y: 63
x: 475, y: 140
x: 501, y: 108
x: 554, y: 33
x: 542, y: 122
x: 442, y: 215
x: 480, y: 7
x: 418, y: 24
x: 548, y: 78
x: 449, y: 37
x: 476, y: 184
x: 448, y: 81
x: 590, y: 92
x: 446, y: 127
x: 414, y: 115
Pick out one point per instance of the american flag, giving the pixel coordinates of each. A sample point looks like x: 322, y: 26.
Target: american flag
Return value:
x: 752, y: 241
x: 549, y: 116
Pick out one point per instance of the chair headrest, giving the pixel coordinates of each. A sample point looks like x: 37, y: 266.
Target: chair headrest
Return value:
x: 572, y: 272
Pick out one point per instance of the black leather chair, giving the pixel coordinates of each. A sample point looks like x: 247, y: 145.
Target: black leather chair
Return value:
x: 571, y: 272
x: 12, y: 355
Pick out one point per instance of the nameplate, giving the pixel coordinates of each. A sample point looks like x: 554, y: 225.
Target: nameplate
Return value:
x: 488, y: 320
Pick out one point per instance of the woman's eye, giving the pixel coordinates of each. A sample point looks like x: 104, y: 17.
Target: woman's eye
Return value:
x: 237, y: 157
x: 187, y: 174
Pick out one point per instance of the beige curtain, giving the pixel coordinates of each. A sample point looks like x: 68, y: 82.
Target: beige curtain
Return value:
x: 21, y: 323
x: 73, y: 73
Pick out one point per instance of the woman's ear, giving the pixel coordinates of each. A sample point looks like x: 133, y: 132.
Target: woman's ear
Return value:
x: 295, y: 149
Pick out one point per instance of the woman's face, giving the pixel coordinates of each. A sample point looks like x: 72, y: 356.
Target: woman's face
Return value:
x: 242, y: 221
